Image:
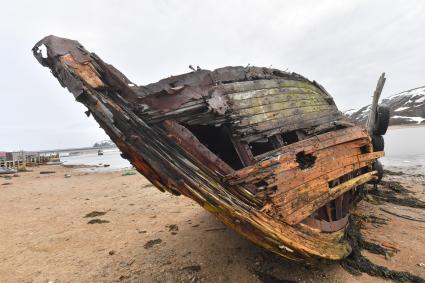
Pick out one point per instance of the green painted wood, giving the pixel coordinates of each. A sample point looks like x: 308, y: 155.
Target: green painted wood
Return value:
x: 242, y: 90
x: 273, y: 96
x: 266, y: 117
x: 278, y: 107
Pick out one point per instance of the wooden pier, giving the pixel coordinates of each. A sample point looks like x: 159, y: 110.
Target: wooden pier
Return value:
x: 23, y: 159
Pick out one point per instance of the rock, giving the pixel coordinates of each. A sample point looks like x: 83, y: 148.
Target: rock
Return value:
x: 111, y: 252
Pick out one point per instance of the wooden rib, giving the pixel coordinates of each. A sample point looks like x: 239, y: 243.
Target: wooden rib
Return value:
x: 334, y: 192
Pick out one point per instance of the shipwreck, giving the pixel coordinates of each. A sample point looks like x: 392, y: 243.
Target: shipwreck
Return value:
x: 266, y: 151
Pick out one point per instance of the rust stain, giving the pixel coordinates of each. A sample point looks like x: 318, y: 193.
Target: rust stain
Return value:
x: 84, y: 70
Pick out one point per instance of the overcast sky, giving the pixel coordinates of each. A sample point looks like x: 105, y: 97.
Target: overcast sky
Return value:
x: 344, y: 45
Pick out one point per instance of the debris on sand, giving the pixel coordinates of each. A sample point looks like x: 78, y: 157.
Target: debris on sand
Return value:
x: 129, y: 173
x: 95, y: 214
x: 47, y: 172
x: 192, y: 268
x: 268, y: 278
x: 403, y: 216
x: 393, y: 192
x: 372, y: 219
x: 6, y: 184
x: 172, y: 227
x: 357, y: 264
x: 149, y: 244
x: 112, y: 252
x: 394, y: 173
x: 97, y: 221
x: 215, y: 229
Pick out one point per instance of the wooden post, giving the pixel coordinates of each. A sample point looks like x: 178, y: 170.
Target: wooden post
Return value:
x: 374, y: 106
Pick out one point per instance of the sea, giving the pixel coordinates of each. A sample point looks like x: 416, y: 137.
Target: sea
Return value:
x: 111, y: 160
x: 404, y: 150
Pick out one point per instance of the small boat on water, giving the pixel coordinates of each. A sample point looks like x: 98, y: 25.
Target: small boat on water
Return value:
x: 266, y: 151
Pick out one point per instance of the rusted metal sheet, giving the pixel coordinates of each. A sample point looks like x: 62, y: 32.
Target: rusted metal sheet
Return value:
x: 266, y: 151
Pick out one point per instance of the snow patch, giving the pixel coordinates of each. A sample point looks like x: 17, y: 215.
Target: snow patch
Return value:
x: 418, y: 120
x: 401, y: 109
x: 420, y: 100
x: 350, y: 111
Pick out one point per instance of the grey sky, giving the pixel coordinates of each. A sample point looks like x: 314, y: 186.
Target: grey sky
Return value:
x: 344, y: 45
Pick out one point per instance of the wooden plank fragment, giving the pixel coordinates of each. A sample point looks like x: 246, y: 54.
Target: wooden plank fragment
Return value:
x: 289, y: 179
x: 334, y: 192
x: 285, y: 200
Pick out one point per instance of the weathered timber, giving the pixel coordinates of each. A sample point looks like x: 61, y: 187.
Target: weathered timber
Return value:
x: 306, y: 210
x: 375, y: 100
x: 266, y: 151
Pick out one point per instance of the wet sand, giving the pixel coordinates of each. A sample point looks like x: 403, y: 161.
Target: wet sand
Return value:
x: 149, y: 236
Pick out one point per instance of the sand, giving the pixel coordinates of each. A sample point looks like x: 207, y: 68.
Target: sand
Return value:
x: 148, y: 236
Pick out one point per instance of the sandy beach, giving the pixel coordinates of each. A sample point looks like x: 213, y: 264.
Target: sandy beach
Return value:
x: 138, y: 234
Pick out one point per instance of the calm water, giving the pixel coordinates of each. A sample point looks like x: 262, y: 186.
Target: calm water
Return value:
x: 111, y: 157
x: 404, y: 149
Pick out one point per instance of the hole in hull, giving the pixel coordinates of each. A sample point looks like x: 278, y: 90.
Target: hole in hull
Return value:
x: 217, y: 140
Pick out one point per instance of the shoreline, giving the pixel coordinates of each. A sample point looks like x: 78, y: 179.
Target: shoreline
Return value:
x: 395, y: 127
x: 138, y: 233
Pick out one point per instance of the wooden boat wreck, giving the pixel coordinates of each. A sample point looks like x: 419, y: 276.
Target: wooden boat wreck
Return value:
x: 266, y: 151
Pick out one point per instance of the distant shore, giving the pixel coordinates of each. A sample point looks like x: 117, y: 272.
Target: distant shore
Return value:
x: 406, y: 126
